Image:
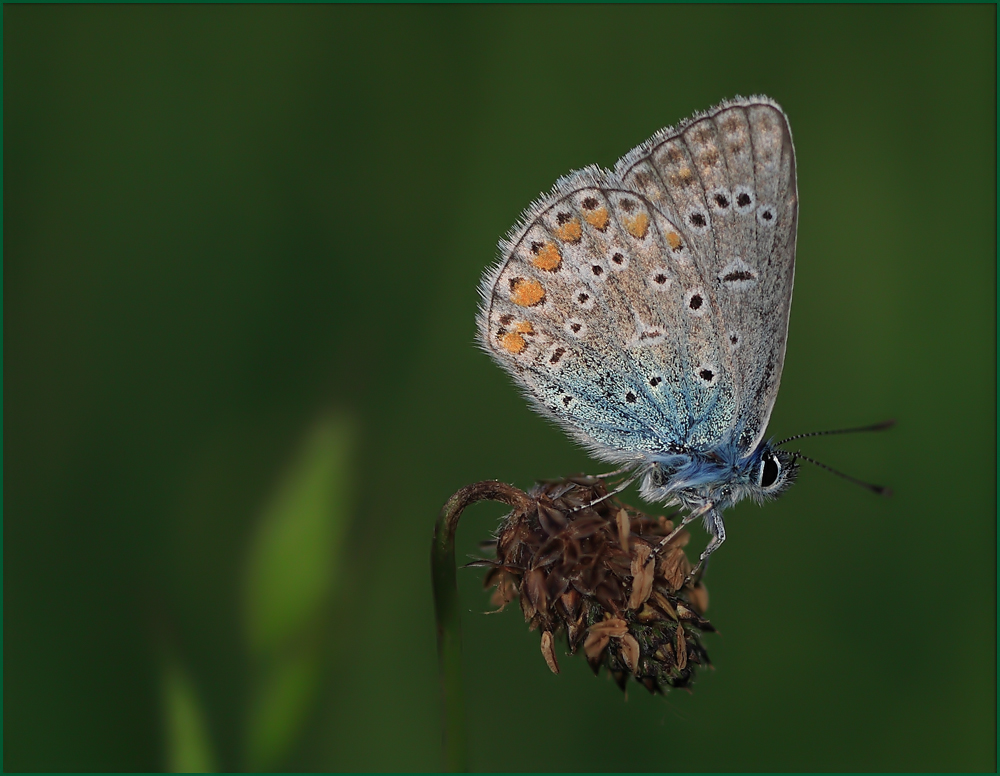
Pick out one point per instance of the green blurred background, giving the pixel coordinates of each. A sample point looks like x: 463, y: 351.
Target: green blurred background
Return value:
x: 241, y: 253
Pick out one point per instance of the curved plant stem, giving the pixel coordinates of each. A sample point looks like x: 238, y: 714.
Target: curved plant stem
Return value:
x: 449, y: 626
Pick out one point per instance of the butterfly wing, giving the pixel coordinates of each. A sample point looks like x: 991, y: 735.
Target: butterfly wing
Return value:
x: 611, y: 310
x: 582, y: 311
x: 727, y: 178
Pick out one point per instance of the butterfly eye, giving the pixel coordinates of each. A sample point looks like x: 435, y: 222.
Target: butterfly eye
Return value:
x: 769, y: 471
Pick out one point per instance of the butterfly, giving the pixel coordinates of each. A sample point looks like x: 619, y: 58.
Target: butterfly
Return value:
x: 645, y: 309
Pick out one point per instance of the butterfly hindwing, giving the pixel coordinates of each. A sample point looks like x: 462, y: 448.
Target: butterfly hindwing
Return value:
x: 616, y: 300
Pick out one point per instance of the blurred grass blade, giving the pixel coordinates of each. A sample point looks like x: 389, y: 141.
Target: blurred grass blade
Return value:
x: 293, y: 560
x: 188, y: 744
x: 291, y: 574
x: 283, y: 698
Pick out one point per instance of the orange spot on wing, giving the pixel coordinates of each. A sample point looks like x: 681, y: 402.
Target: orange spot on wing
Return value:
x: 638, y: 226
x: 597, y: 218
x: 571, y: 231
x: 673, y: 239
x: 513, y: 342
x: 526, y: 292
x: 548, y: 258
x: 683, y: 177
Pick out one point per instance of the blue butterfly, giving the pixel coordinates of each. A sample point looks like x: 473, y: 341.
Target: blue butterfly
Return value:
x: 645, y: 309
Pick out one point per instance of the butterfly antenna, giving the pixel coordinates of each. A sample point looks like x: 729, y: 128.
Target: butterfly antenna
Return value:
x: 877, y: 427
x: 882, y: 491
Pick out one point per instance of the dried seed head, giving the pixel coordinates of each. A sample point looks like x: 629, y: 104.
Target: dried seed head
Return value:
x: 594, y: 646
x: 587, y: 568
x: 549, y: 652
x: 699, y: 597
x: 675, y: 567
x: 643, y: 573
x: 631, y: 652
x: 624, y: 528
x: 681, y: 649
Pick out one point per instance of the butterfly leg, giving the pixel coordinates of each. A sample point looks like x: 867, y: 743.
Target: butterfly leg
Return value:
x: 717, y: 526
x: 608, y: 495
x: 684, y: 521
x: 615, y: 473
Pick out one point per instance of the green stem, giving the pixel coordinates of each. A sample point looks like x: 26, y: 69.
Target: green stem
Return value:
x: 449, y: 625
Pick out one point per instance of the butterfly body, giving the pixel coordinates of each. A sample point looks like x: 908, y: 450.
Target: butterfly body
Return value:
x: 645, y: 309
x: 709, y: 482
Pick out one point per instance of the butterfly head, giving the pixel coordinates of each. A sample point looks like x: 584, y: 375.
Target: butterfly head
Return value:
x: 770, y: 471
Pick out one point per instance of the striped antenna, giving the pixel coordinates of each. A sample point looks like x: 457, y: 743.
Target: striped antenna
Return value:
x: 877, y: 427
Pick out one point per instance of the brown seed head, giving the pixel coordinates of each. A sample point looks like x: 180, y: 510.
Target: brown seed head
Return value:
x: 587, y: 568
